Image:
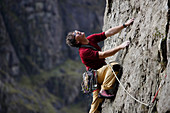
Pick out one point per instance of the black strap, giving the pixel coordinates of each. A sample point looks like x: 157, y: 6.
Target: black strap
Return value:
x: 89, y: 46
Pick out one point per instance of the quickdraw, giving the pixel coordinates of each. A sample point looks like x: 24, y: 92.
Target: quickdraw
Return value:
x: 161, y: 84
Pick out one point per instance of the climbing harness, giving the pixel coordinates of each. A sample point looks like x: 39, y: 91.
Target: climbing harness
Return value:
x: 89, y: 83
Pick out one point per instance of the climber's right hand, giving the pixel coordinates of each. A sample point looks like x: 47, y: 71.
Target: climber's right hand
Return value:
x: 124, y: 44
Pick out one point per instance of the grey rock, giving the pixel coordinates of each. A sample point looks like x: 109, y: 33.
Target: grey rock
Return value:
x: 145, y: 62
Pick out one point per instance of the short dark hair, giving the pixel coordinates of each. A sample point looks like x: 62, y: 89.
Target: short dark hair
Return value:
x: 71, y: 41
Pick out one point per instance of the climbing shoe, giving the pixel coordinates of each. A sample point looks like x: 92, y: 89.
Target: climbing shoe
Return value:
x: 104, y: 94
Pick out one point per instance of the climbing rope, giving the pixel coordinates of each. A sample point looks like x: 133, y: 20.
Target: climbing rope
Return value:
x: 126, y: 90
x: 146, y: 104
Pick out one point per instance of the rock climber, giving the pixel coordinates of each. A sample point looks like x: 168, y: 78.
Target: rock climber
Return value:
x: 96, y: 59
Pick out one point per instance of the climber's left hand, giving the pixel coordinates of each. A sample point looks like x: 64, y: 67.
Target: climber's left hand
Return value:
x: 129, y: 22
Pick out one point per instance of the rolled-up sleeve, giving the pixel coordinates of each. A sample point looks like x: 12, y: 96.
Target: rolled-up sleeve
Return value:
x: 97, y: 37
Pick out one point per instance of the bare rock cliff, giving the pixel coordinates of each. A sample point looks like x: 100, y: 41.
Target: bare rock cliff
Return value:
x: 147, y: 59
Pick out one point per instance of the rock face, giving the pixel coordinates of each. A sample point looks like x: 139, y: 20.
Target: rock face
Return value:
x: 146, y: 60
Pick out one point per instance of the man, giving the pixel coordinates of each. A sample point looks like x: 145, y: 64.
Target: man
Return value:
x: 96, y: 59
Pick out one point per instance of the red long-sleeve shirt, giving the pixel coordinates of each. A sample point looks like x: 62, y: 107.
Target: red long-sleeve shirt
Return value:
x: 90, y: 57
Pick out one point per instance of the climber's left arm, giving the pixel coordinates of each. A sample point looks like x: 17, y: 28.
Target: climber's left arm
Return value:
x: 117, y: 29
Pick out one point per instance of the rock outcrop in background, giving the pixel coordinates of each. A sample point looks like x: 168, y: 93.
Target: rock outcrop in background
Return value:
x: 37, y: 30
x: 146, y: 61
x: 39, y: 73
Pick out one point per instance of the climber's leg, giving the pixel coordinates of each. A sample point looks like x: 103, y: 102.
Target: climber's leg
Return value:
x: 96, y: 101
x: 106, y: 77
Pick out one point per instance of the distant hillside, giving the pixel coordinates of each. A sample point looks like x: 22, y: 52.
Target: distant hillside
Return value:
x: 39, y: 73
x: 36, y: 31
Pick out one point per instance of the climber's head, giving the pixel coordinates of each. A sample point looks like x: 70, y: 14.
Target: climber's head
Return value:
x: 76, y: 38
